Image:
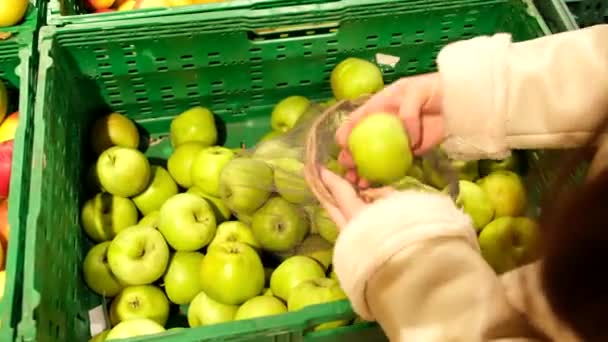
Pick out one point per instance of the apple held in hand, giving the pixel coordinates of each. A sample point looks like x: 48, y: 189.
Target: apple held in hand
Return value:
x: 476, y: 203
x: 207, y: 168
x: 221, y: 211
x: 292, y: 272
x: 260, y: 306
x: 355, y: 77
x: 279, y: 226
x: 317, y: 248
x: 232, y: 273
x: 114, y: 130
x: 143, y: 301
x: 245, y: 185
x: 138, y: 255
x: 316, y: 291
x: 182, y: 280
x: 123, y: 171
x: 6, y: 163
x: 203, y: 310
x: 290, y: 183
x: 105, y: 215
x: 195, y: 124
x: 187, y: 222
x: 509, y: 242
x: 161, y: 188
x: 506, y: 192
x: 133, y: 328
x: 287, y: 112
x: 150, y: 220
x: 380, y: 148
x: 234, y: 231
x: 97, y: 273
x: 181, y: 160
x: 326, y: 227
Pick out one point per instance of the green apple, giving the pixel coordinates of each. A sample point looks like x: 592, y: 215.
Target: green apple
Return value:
x: 509, y: 242
x: 234, y: 231
x: 161, y: 188
x: 138, y: 255
x: 326, y: 227
x: 97, y: 273
x: 380, y: 148
x: 203, y: 310
x: 123, y: 171
x: 316, y: 291
x: 182, y: 279
x: 187, y: 222
x: 151, y: 219
x: 101, y: 337
x: 142, y: 301
x: 289, y: 181
x: 279, y: 226
x: 245, y: 185
x: 114, y: 130
x: 416, y: 171
x: 133, y: 328
x: 260, y: 306
x: 333, y: 275
x: 246, y: 219
x: 270, y: 135
x: 221, y: 211
x: 355, y: 77
x: 207, y: 167
x: 511, y: 163
x: 286, y: 113
x: 180, y: 162
x: 267, y: 292
x: 476, y: 203
x: 310, y: 211
x: 467, y: 170
x: 292, y: 272
x: 276, y: 149
x: 232, y: 272
x: 318, y: 248
x: 195, y: 124
x: 104, y: 215
x: 411, y: 183
x: 506, y: 191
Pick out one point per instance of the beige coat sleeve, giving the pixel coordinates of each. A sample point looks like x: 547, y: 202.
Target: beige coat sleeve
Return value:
x: 550, y: 92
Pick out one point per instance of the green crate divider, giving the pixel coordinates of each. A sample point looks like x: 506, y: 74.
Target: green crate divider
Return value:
x: 153, y: 68
x: 557, y: 15
x: 18, y: 72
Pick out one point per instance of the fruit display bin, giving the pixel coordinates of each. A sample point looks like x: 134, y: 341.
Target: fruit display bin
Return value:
x: 18, y: 72
x: 557, y: 15
x: 589, y: 12
x: 239, y: 63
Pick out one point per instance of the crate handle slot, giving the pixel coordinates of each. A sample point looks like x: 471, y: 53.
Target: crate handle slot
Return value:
x: 293, y: 31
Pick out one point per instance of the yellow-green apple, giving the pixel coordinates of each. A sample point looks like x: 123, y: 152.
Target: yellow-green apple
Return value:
x: 506, y: 192
x: 97, y: 273
x: 123, y: 171
x: 289, y: 181
x: 100, y: 337
x: 207, y: 168
x: 161, y: 188
x: 114, y: 130
x: 333, y: 274
x: 232, y: 272
x: 234, y: 231
x: 9, y: 127
x: 326, y: 227
x: 12, y: 12
x: 221, y: 211
x: 195, y: 124
x: 355, y: 77
x: 270, y: 135
x: 476, y: 203
x: 316, y: 247
x: 2, y: 283
x: 105, y: 215
x: 287, y: 112
x: 6, y: 162
x: 187, y: 222
x: 380, y: 148
x: 133, y: 328
x: 279, y: 226
x: 203, y: 310
x: 276, y: 149
x: 150, y: 220
x: 138, y: 255
x: 141, y: 301
x: 509, y: 242
x: 467, y: 170
x: 316, y: 291
x: 260, y: 306
x: 511, y: 163
x: 245, y: 185
x: 180, y: 162
x: 292, y: 272
x: 182, y: 279
x: 267, y: 292
x: 415, y: 170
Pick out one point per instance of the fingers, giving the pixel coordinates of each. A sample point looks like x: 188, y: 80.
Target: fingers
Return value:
x: 346, y: 159
x: 347, y: 199
x: 410, y: 114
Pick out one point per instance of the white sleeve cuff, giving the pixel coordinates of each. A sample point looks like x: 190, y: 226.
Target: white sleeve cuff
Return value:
x: 388, y: 226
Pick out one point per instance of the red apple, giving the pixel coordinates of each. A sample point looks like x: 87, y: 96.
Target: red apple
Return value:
x: 8, y: 127
x: 4, y: 225
x: 6, y: 156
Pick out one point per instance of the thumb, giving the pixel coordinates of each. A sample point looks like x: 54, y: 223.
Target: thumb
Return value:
x: 347, y: 199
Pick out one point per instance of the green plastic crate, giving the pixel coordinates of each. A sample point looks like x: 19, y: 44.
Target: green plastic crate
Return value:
x: 239, y: 63
x: 589, y: 12
x: 18, y: 73
x: 557, y: 15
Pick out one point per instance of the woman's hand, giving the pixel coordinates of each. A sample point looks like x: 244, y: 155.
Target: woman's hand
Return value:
x: 416, y: 100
